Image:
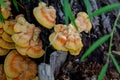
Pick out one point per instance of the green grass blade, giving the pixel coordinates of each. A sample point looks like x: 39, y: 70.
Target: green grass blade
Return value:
x: 103, y: 71
x: 72, y: 17
x: 65, y: 10
x: 15, y: 4
x: 94, y: 46
x: 88, y: 6
x: 118, y: 25
x: 2, y: 18
x: 104, y: 9
x: 115, y: 63
x: 116, y: 52
x: 2, y: 3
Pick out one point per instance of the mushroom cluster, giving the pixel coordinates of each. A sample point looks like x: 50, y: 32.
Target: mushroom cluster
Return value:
x: 65, y: 38
x: 26, y: 38
x: 5, y: 36
x: 19, y: 40
x: 17, y: 67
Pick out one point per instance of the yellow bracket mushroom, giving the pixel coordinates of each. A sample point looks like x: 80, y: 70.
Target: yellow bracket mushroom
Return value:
x: 26, y: 38
x: 45, y: 15
x: 67, y: 38
x: 17, y: 67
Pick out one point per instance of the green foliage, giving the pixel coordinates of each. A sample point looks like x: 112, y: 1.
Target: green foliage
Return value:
x: 104, y: 38
x: 15, y: 4
x: 68, y: 13
x: 2, y: 3
x: 72, y: 17
x: 115, y: 63
x: 103, y: 71
x: 104, y: 10
x: 64, y: 5
x: 2, y: 18
x: 88, y: 6
x: 116, y: 52
x: 94, y: 46
x: 118, y: 25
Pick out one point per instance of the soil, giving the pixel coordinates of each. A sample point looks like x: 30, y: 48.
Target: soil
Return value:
x: 73, y: 69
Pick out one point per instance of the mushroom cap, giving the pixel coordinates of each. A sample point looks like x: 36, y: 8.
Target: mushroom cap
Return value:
x: 21, y: 39
x: 9, y: 27
x: 75, y: 52
x: 60, y: 28
x: 1, y: 32
x: 14, y: 64
x: 58, y: 40
x: 3, y: 51
x: 34, y: 50
x: 6, y: 37
x: 21, y: 50
x: 19, y: 67
x: 83, y: 22
x: 45, y: 15
x: 73, y: 42
x: 6, y: 45
x: 23, y: 32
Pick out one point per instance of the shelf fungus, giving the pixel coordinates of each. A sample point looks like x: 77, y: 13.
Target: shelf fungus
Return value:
x: 6, y: 45
x: 1, y: 32
x: 65, y: 39
x: 34, y: 50
x: 68, y: 38
x: 59, y: 37
x: 6, y: 10
x: 6, y: 37
x: 3, y: 51
x: 26, y: 38
x: 17, y: 67
x: 23, y: 32
x: 45, y: 15
x: 83, y: 22
x: 8, y: 27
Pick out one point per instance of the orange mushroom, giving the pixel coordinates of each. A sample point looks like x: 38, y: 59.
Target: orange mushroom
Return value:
x: 17, y: 67
x: 45, y: 15
x: 6, y: 37
x: 6, y: 45
x: 74, y: 43
x: 26, y: 38
x: 59, y: 37
x: 83, y: 22
x: 66, y: 39
x: 23, y: 32
x: 34, y: 49
x: 3, y: 51
x: 8, y: 26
